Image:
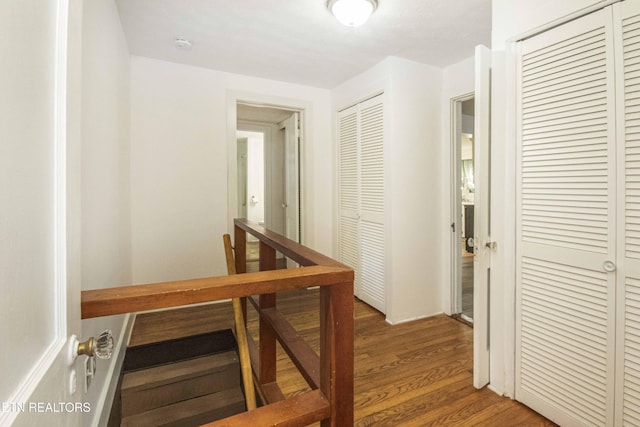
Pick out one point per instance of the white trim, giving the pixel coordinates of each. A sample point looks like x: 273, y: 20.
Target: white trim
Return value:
x: 455, y: 210
x: 561, y: 21
x: 29, y: 384
x: 509, y: 244
x: 60, y: 170
x: 361, y: 100
x: 411, y: 319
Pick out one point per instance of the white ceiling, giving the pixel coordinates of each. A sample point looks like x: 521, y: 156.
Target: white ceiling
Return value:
x: 299, y: 41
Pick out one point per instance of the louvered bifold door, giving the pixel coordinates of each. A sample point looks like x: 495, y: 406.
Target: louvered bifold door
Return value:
x: 565, y: 335
x: 627, y: 33
x: 372, y: 287
x: 348, y: 191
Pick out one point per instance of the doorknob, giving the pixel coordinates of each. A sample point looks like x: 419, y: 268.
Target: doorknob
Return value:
x: 609, y: 266
x: 102, y: 347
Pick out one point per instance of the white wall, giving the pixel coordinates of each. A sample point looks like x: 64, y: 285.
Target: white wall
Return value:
x: 106, y: 228
x: 179, y: 142
x: 413, y: 180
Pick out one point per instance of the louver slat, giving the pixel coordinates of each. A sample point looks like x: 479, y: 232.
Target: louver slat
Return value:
x: 372, y: 159
x: 552, y: 155
x: 348, y: 151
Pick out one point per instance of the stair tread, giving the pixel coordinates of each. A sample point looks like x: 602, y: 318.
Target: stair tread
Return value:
x: 190, y: 412
x: 179, y: 371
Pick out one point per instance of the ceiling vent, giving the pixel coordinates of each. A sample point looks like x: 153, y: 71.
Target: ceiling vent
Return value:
x: 182, y: 44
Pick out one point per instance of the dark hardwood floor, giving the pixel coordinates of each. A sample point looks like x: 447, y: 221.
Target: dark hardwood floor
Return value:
x: 413, y: 374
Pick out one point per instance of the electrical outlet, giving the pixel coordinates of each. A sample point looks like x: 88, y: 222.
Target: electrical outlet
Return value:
x: 89, y: 371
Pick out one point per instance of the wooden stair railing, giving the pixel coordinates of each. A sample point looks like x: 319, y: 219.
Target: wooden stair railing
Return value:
x: 330, y: 375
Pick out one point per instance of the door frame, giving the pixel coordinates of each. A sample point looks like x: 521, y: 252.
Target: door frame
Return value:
x: 455, y: 110
x: 234, y: 98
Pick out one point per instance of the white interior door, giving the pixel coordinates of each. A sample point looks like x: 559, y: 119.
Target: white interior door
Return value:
x: 566, y: 223
x: 372, y: 203
x: 361, y: 198
x: 242, y: 177
x: 348, y: 192
x: 39, y: 221
x: 483, y: 246
x: 292, y: 177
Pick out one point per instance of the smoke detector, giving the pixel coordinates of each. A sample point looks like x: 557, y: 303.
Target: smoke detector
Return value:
x: 182, y: 44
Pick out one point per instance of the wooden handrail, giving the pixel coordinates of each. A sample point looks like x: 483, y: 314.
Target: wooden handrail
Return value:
x: 131, y: 299
x: 293, y: 250
x: 330, y: 375
x: 300, y: 410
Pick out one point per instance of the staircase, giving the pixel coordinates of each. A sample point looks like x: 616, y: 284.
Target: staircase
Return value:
x: 182, y: 382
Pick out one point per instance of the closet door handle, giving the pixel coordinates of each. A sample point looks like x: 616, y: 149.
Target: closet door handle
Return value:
x: 609, y: 266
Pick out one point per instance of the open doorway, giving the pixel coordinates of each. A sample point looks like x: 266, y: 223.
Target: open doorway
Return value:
x: 268, y: 170
x: 463, y: 196
x: 251, y: 182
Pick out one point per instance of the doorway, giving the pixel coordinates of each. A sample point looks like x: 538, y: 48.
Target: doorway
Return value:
x: 268, y: 169
x: 463, y: 196
x: 251, y: 182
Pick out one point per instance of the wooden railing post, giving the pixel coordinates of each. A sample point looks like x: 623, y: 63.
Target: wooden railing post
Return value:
x: 240, y: 249
x: 336, y: 352
x: 267, y: 344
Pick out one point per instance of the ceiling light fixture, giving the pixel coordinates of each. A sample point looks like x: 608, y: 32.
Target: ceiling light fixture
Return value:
x: 352, y: 13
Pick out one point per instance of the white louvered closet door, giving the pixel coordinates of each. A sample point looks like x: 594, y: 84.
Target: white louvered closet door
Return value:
x: 372, y: 236
x: 361, y: 231
x: 627, y: 32
x: 566, y: 223
x: 348, y: 191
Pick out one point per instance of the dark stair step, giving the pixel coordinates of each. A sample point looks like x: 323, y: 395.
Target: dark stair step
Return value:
x: 192, y: 412
x: 152, y: 388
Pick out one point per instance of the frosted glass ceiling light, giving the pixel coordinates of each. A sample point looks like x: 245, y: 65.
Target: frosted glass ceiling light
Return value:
x: 352, y: 13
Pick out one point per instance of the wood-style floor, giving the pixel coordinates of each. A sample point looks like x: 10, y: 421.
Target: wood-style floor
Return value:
x: 413, y: 374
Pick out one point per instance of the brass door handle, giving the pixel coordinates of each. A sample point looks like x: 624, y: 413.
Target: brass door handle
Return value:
x: 102, y: 347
